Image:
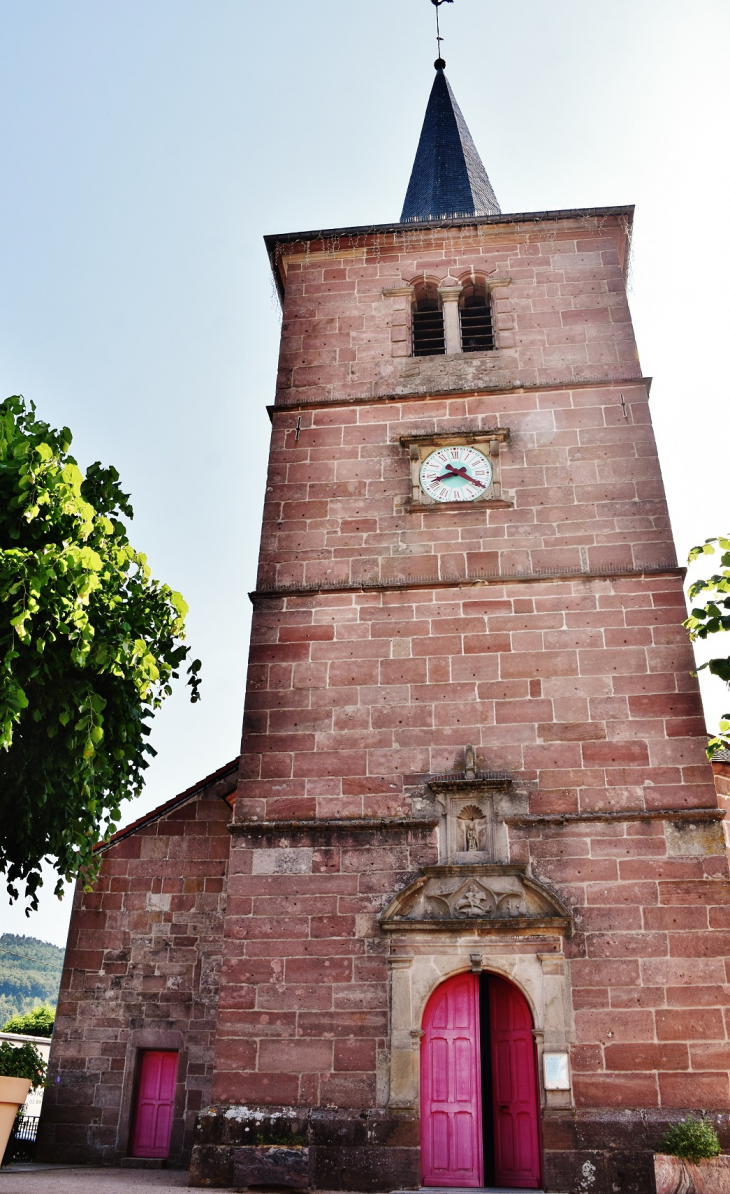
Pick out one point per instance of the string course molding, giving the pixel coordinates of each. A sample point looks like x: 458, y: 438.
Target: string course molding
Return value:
x: 480, y: 578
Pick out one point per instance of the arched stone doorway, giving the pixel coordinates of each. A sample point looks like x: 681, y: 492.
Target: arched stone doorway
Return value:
x: 479, y: 1086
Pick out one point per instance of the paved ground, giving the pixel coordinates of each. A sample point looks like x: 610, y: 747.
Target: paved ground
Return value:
x: 87, y: 1180
x: 18, y: 1179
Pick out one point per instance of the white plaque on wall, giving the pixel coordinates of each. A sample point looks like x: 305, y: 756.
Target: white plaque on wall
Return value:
x: 557, y: 1075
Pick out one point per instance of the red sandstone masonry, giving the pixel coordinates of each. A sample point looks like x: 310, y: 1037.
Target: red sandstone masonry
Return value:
x: 305, y: 979
x: 581, y: 686
x: 562, y: 313
x: 640, y: 1005
x: 586, y: 493
x: 409, y: 676
x: 141, y: 971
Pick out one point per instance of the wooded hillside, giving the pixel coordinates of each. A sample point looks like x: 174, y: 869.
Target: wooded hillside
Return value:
x: 30, y: 973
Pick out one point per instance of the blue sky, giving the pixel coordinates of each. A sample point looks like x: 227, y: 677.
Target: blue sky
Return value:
x: 149, y: 145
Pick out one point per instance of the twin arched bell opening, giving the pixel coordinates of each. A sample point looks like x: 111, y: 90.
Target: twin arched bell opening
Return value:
x: 475, y: 326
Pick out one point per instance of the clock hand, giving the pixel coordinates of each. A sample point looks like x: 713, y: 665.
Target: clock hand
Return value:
x: 459, y: 472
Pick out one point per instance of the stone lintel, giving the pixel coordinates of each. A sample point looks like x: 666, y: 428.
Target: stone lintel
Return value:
x: 456, y: 435
x: 334, y: 824
x: 479, y: 926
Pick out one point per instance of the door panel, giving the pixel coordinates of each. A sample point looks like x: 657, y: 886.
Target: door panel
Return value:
x: 451, y: 1113
x: 463, y: 1070
x: 514, y: 1088
x: 155, y: 1102
x: 439, y: 1070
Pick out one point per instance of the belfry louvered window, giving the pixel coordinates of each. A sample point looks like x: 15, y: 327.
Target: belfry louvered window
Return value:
x: 475, y: 313
x: 428, y: 323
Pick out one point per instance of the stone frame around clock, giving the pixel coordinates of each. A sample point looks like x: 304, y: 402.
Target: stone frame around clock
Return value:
x: 421, y: 446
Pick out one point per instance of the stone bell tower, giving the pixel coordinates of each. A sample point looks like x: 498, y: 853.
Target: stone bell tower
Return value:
x: 478, y: 877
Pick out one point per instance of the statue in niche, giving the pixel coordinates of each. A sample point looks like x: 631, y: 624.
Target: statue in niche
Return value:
x: 471, y: 821
x: 470, y: 763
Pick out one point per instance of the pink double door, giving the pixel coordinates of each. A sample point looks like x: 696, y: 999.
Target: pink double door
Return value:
x: 452, y: 1067
x: 155, y: 1102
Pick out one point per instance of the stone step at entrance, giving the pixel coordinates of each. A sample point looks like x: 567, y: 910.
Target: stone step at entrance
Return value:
x: 143, y: 1163
x: 464, y: 1190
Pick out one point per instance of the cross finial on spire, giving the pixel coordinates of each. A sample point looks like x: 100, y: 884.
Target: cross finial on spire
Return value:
x: 439, y: 63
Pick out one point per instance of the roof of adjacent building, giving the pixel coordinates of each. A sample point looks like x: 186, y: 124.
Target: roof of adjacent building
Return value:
x: 220, y: 783
x: 448, y: 180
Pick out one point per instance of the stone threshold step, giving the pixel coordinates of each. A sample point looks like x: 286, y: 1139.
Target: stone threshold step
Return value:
x: 465, y: 1190
x: 143, y: 1163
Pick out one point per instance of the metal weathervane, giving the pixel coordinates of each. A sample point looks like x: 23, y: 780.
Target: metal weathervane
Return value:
x: 439, y: 60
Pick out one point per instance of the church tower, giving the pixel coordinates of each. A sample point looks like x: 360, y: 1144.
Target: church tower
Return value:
x: 477, y: 903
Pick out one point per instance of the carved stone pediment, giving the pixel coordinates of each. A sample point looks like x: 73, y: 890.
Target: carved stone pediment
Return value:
x: 488, y: 896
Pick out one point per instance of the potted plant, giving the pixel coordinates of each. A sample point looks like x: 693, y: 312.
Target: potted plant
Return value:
x: 21, y: 1066
x: 689, y: 1160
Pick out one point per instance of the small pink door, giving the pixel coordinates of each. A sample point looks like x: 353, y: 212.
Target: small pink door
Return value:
x: 155, y: 1099
x: 514, y: 1088
x: 451, y: 1112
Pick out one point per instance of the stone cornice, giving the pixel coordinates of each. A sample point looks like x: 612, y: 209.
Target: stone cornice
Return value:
x: 482, y: 391
x: 456, y: 582
x: 334, y: 825
x: 656, y: 814
x: 491, y: 780
x: 410, y: 226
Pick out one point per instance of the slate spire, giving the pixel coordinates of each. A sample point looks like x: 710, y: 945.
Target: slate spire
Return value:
x: 448, y: 180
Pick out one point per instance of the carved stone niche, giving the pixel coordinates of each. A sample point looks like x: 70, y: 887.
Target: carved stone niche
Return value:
x: 493, y: 896
x: 472, y: 806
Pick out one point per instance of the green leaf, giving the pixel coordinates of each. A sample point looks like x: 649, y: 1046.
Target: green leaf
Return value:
x: 90, y: 645
x: 712, y: 618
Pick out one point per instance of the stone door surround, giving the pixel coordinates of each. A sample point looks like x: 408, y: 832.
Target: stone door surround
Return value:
x: 418, y: 966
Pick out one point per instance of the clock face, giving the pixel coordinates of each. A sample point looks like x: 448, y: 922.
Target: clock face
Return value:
x: 457, y: 474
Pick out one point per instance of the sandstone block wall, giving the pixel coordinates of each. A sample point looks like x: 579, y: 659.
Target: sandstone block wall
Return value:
x: 303, y: 1017
x: 649, y: 956
x: 581, y: 479
x: 596, y: 732
x: 546, y: 630
x: 142, y: 971
x: 558, y: 296
x: 580, y: 685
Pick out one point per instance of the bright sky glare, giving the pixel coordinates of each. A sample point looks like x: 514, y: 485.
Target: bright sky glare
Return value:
x: 150, y: 144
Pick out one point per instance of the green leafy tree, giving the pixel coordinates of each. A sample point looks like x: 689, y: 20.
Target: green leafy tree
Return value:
x: 30, y: 973
x: 22, y: 1061
x: 37, y: 1022
x: 89, y: 645
x: 712, y: 617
